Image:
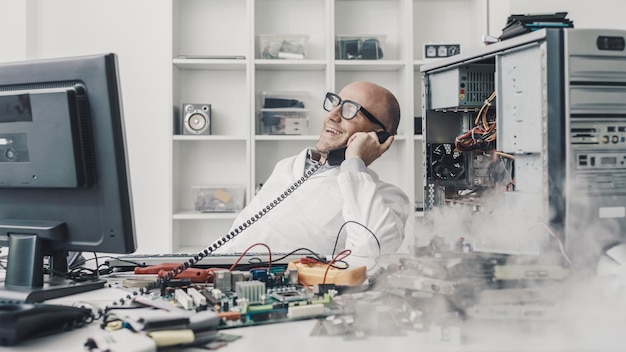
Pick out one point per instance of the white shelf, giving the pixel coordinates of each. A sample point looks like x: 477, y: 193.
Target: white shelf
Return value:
x: 273, y: 137
x: 235, y: 151
x: 197, y: 138
x: 196, y: 215
x: 290, y: 65
x: 369, y: 65
x: 210, y: 64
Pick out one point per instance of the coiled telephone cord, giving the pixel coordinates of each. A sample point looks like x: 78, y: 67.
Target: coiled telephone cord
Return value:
x: 215, y: 245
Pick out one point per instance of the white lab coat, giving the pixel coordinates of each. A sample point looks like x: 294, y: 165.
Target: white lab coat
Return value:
x: 312, y: 216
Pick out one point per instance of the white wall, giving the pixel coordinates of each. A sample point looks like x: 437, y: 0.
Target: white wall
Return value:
x: 13, y: 30
x: 139, y: 32
x: 498, y: 14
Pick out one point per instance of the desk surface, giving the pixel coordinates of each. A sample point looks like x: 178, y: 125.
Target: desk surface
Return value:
x: 572, y: 335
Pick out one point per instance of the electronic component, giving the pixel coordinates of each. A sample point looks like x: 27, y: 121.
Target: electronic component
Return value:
x: 466, y: 86
x: 253, y: 291
x: 223, y: 280
x: 530, y: 272
x: 445, y: 163
x: 167, y: 338
x: 309, y: 310
x: 120, y: 339
x: 149, y: 319
x: 183, y: 299
x: 196, y: 296
x: 420, y: 283
x: 520, y: 295
x: 514, y: 312
x: 288, y: 295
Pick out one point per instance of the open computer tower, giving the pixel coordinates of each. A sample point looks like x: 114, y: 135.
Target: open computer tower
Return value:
x: 531, y: 131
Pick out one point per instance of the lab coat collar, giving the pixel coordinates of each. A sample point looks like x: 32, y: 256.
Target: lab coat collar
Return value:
x: 299, y: 165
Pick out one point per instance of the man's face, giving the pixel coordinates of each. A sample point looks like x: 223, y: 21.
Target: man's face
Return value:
x: 336, y: 130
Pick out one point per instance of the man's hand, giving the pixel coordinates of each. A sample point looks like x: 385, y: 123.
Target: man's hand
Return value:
x: 365, y: 146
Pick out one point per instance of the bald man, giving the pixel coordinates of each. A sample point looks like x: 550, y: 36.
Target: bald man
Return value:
x: 343, y: 204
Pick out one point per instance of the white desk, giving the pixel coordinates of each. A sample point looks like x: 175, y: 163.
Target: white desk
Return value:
x: 609, y: 335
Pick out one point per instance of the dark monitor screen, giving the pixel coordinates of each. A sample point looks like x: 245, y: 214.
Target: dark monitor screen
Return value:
x: 64, y: 177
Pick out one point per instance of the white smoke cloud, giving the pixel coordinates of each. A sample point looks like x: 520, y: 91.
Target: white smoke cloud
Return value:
x: 588, y: 314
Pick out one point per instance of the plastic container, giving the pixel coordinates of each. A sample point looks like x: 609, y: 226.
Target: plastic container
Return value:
x: 283, y: 46
x: 219, y: 199
x: 292, y: 100
x: 284, y: 121
x: 359, y: 47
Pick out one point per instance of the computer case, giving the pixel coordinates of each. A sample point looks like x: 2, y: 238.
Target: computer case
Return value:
x: 558, y: 164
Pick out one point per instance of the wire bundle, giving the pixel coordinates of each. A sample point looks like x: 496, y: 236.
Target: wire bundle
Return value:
x: 482, y: 135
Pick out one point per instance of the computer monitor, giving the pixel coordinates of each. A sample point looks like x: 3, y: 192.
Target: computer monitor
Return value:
x: 64, y: 177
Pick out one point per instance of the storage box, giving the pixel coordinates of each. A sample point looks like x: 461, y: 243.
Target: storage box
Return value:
x: 219, y: 199
x: 274, y: 100
x: 283, y: 46
x: 284, y: 121
x: 359, y: 47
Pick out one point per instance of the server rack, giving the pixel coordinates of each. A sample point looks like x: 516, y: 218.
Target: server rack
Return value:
x: 553, y: 169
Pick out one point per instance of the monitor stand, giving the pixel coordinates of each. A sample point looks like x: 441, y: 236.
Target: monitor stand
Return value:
x: 29, y: 241
x: 53, y: 287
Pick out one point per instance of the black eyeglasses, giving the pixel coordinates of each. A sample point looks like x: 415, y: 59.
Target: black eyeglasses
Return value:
x: 348, y: 109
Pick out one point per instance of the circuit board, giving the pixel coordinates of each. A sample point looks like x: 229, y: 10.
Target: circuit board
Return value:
x: 254, y: 297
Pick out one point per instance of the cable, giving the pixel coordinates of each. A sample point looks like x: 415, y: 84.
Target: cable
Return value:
x: 341, y: 255
x: 218, y: 243
x: 559, y: 242
x: 313, y: 254
x: 482, y: 135
x: 368, y: 230
x: 82, y: 273
x: 269, y: 251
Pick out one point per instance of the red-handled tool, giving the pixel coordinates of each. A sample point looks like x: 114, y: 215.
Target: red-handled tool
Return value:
x: 193, y: 274
x: 154, y: 269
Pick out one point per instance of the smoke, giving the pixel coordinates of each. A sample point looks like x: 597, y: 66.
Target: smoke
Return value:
x: 581, y: 310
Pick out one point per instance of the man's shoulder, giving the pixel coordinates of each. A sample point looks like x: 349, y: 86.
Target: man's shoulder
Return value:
x: 288, y: 163
x: 293, y: 158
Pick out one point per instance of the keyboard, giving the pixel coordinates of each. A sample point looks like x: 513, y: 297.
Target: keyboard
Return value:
x: 211, y: 261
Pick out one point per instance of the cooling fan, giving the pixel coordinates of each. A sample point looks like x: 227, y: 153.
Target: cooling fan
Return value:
x: 612, y: 268
x: 446, y: 163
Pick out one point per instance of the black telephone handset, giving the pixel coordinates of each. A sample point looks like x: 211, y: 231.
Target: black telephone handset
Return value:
x: 336, y: 156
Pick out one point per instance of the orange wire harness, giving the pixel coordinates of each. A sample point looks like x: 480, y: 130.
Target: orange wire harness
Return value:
x: 482, y: 134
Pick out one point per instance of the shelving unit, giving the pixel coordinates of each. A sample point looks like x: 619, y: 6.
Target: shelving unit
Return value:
x: 235, y: 153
